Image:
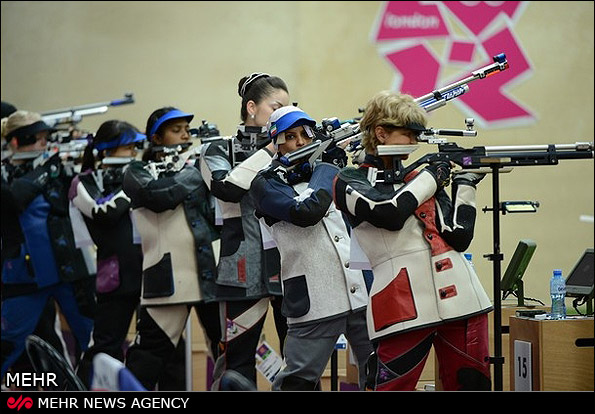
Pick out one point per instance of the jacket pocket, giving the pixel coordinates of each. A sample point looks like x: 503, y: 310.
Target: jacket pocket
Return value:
x: 296, y: 301
x: 158, y: 280
x: 232, y: 234
x: 233, y: 269
x: 108, y: 275
x: 18, y: 269
x: 394, y: 303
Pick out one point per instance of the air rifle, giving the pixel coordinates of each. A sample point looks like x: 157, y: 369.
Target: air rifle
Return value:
x: 331, y: 133
x: 348, y: 134
x: 73, y: 115
x: 70, y: 151
x: 438, y: 98
x: 209, y: 134
x: 173, y: 159
x: 480, y: 158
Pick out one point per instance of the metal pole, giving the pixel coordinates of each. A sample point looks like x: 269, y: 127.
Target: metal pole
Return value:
x: 496, y: 258
x: 334, y: 371
x: 188, y: 349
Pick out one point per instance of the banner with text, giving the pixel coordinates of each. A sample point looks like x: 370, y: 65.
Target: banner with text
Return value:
x: 470, y: 33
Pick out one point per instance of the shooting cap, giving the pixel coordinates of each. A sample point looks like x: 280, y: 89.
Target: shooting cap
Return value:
x: 174, y: 114
x: 128, y: 136
x: 285, y: 118
x: 24, y: 126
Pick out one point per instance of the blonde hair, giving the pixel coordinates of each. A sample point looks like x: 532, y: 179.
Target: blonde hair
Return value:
x: 17, y: 120
x: 388, y: 109
x: 4, y: 121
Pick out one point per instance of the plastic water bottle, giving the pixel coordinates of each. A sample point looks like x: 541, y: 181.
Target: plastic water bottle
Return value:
x: 558, y: 293
x: 469, y: 257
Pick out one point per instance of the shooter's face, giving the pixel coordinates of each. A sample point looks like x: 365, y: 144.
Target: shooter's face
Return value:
x: 40, y: 144
x: 388, y: 135
x: 124, y: 151
x: 295, y: 138
x: 176, y: 131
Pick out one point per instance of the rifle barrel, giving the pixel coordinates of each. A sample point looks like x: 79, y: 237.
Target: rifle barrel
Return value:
x: 299, y: 154
x: 128, y: 99
x: 558, y: 147
x: 438, y: 98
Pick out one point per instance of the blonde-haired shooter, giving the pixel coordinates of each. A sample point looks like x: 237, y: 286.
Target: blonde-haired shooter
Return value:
x: 387, y: 109
x: 40, y: 259
x: 424, y: 293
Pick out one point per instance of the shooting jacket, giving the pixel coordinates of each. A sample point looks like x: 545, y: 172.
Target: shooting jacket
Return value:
x: 105, y: 209
x: 413, y: 236
x: 180, y: 244
x: 314, y: 243
x: 38, y: 246
x: 246, y: 269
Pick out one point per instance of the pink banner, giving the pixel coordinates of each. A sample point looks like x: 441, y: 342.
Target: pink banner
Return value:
x: 405, y: 27
x: 405, y: 19
x: 477, y: 15
x: 418, y: 67
x: 487, y: 96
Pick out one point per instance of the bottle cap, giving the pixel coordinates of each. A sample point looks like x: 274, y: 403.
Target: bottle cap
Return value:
x: 557, y: 272
x: 468, y: 256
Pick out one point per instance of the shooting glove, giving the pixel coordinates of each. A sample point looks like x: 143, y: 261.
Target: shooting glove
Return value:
x: 335, y: 156
x: 441, y: 172
x: 300, y: 173
x: 468, y: 178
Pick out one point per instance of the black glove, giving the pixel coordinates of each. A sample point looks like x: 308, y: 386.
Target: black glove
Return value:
x: 300, y: 173
x: 441, y: 172
x: 469, y: 178
x: 335, y: 156
x: 41, y: 174
x: 35, y: 182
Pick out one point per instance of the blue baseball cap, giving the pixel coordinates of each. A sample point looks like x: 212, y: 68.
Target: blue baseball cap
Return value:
x: 128, y: 136
x: 285, y: 118
x: 176, y: 113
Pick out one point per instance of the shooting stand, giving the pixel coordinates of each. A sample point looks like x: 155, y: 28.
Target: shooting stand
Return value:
x: 496, y: 257
x: 498, y: 158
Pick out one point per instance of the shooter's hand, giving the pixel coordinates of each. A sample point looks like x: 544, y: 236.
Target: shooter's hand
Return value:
x: 335, y: 156
x: 441, y: 172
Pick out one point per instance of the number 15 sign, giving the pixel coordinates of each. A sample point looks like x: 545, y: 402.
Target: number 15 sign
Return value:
x: 523, y: 375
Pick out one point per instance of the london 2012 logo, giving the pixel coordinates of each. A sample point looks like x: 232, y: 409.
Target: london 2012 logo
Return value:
x: 434, y: 43
x: 19, y: 403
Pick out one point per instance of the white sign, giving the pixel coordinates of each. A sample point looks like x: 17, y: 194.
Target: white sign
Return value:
x: 523, y: 373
